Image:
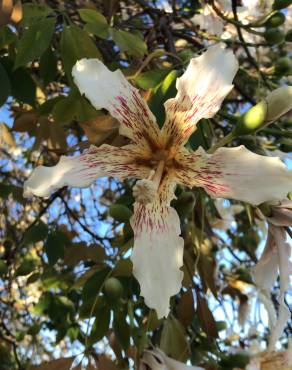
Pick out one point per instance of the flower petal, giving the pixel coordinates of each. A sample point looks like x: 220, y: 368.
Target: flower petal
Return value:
x: 111, y: 91
x: 235, y: 173
x: 285, y: 269
x: 155, y: 359
x: 208, y: 20
x: 158, y: 250
x: 265, y: 272
x: 200, y: 92
x: 80, y: 171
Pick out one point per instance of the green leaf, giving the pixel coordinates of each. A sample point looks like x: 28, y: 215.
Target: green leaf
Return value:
x: 163, y: 92
x: 129, y: 42
x: 120, y: 213
x: 35, y: 40
x: 23, y: 86
x: 150, y: 79
x: 101, y: 323
x: 3, y: 268
x: 173, y: 339
x: 54, y: 246
x: 75, y: 45
x: 46, y: 108
x: 7, y: 37
x: 206, y: 318
x: 64, y: 110
x: 94, y: 284
x: 48, y: 66
x: 84, y: 110
x: 36, y: 233
x: 122, y: 329
x: 73, y: 106
x: 5, y: 190
x: 202, y: 136
x: 96, y: 22
x: 26, y: 267
x: 34, y: 12
x: 5, y: 86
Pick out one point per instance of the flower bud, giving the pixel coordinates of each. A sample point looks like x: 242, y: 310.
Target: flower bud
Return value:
x: 288, y: 36
x: 113, y: 289
x: 120, y: 213
x: 283, y: 66
x: 281, y: 4
x: 274, y: 36
x: 268, y: 110
x: 275, y: 20
x: 252, y: 120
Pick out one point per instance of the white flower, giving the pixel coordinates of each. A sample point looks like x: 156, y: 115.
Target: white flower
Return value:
x: 160, y: 160
x: 155, y: 359
x: 276, y: 259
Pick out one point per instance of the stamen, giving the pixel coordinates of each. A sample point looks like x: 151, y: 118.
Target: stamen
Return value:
x: 145, y: 190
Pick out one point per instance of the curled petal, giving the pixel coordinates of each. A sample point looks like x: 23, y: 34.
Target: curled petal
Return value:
x: 200, y: 92
x: 265, y: 272
x: 155, y: 359
x: 158, y: 249
x: 208, y: 20
x: 111, y: 91
x: 282, y: 213
x: 285, y: 269
x: 80, y: 171
x: 235, y: 173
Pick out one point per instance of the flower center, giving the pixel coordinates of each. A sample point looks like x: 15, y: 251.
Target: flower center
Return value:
x: 145, y: 190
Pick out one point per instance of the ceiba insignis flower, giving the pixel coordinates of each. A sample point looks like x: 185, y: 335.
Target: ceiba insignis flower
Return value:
x: 158, y: 158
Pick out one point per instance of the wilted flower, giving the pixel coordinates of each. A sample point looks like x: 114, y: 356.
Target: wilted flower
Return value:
x: 158, y: 158
x: 276, y: 260
x: 155, y: 359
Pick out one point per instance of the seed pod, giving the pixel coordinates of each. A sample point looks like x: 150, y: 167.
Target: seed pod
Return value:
x: 288, y: 36
x: 283, y: 66
x: 252, y: 120
x: 113, y: 289
x: 281, y: 4
x: 268, y: 110
x: 120, y: 213
x: 274, y: 36
x: 275, y: 20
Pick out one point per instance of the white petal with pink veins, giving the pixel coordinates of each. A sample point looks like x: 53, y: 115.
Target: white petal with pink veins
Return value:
x: 200, y: 92
x: 158, y: 252
x: 80, y: 171
x: 111, y: 91
x: 235, y: 173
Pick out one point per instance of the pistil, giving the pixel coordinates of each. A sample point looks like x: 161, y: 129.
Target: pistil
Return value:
x: 145, y: 190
